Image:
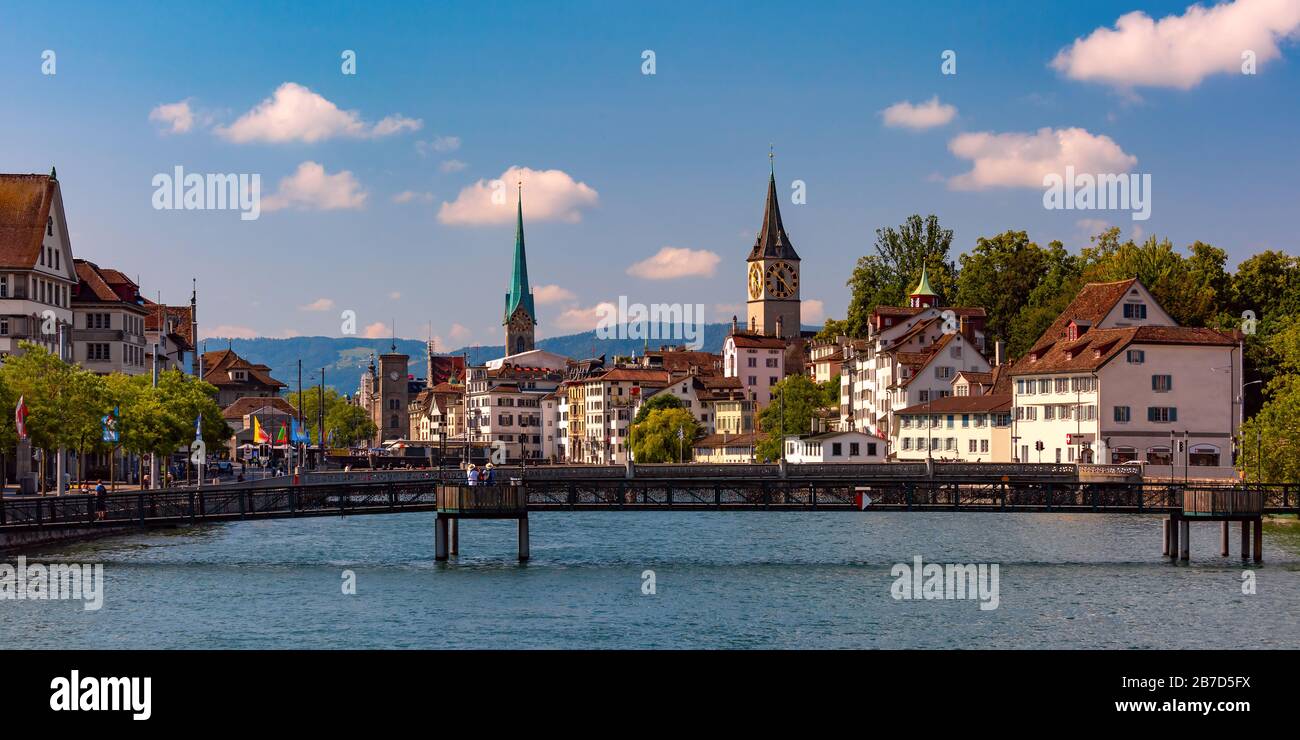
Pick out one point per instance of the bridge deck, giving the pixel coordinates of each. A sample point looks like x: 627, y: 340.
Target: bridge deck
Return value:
x: 232, y: 503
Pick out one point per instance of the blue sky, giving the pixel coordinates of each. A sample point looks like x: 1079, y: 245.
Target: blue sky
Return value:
x: 677, y: 159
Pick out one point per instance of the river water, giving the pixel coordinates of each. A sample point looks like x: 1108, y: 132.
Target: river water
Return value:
x: 721, y: 579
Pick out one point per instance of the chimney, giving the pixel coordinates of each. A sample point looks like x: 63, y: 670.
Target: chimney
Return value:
x: 734, y: 325
x: 999, y: 352
x: 780, y: 325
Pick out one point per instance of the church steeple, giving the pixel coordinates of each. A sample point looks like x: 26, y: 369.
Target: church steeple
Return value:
x: 520, y: 294
x: 520, y: 316
x: 772, y: 241
x: 923, y: 296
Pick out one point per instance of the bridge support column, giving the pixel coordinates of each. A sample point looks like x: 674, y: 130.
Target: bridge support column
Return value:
x: 1259, y: 540
x: 453, y: 536
x: 1184, y: 540
x: 440, y: 538
x: 523, y: 538
x: 1165, y: 538
x: 1245, y: 540
x: 1223, y: 540
x: 1174, y: 527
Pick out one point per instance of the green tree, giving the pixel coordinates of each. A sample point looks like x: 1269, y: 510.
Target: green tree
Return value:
x: 833, y: 328
x: 1269, y: 448
x: 886, y: 277
x: 665, y: 435
x: 999, y: 275
x: 795, y: 400
x: 349, y: 423
x: 661, y: 400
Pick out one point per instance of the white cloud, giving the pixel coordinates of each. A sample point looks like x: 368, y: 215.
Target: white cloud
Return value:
x: 376, y: 330
x: 584, y: 319
x: 412, y: 196
x: 812, y: 311
x: 440, y: 144
x: 552, y: 294
x: 320, y: 304
x: 296, y: 114
x: 676, y: 262
x: 452, y: 165
x: 1180, y: 50
x: 929, y: 114
x: 175, y: 118
x: 311, y: 188
x: 396, y: 295
x: 549, y: 195
x: 1022, y: 159
x: 460, y: 332
x: 230, y: 330
x: 1092, y: 226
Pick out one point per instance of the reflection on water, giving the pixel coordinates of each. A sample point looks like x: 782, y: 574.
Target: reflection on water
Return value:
x: 723, y: 579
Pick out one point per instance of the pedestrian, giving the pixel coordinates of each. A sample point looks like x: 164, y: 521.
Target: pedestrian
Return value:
x: 473, y: 475
x: 101, y: 500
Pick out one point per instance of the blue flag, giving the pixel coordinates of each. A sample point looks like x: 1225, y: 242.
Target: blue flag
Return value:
x: 109, y: 426
x: 198, y: 427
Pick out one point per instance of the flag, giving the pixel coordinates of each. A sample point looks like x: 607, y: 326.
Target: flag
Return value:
x: 198, y: 427
x: 282, y: 437
x: 20, y: 418
x: 108, y: 423
x: 259, y: 434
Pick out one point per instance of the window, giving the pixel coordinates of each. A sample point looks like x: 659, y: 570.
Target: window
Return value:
x: 4, y: 286
x: 1049, y: 413
x: 1062, y: 385
x: 965, y: 421
x: 973, y: 446
x: 1045, y: 386
x: 1162, y: 383
x: 1159, y: 456
x: 1204, y: 455
x: 97, y: 352
x: 771, y: 362
x: 392, y: 423
x: 984, y: 445
x: 752, y: 362
x: 837, y: 449
x: 924, y: 396
x: 1136, y: 357
x: 907, y: 443
x: 1122, y: 414
x: 1162, y: 414
x: 1119, y: 455
x: 943, y: 373
x: 1135, y: 310
x: 854, y: 449
x: 4, y: 327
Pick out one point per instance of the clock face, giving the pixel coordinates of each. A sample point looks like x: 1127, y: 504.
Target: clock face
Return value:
x: 782, y: 280
x: 393, y: 376
x: 755, y: 281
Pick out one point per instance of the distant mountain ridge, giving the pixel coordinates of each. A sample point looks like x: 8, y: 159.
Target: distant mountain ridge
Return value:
x: 345, y: 358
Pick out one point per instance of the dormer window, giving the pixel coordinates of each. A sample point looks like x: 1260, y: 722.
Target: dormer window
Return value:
x: 1135, y: 310
x: 49, y: 226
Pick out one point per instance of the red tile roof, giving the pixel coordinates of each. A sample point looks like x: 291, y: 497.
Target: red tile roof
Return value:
x: 25, y: 203
x: 217, y: 366
x: 757, y: 341
x: 249, y: 404
x: 730, y: 440
x: 1097, y: 347
x: 1092, y: 304
x: 991, y: 403
x: 97, y: 285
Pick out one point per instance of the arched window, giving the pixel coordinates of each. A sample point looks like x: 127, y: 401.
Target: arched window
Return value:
x: 1159, y: 456
x: 1204, y: 455
x: 1120, y: 455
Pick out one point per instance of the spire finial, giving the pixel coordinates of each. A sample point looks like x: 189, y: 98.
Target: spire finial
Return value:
x: 771, y: 160
x: 54, y: 173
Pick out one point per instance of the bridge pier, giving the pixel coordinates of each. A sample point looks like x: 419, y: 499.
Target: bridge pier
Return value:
x: 453, y: 535
x: 1223, y: 539
x: 1185, y: 540
x: 440, y: 547
x: 1173, y: 524
x: 1259, y: 540
x: 1165, y: 533
x: 523, y: 539
x: 1245, y: 540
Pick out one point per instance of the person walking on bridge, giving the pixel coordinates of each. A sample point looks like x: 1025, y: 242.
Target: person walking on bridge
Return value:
x: 473, y: 475
x: 101, y: 500
x: 491, y: 475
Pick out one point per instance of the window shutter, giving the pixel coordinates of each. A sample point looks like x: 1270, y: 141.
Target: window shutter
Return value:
x: 1173, y: 413
x: 1151, y: 413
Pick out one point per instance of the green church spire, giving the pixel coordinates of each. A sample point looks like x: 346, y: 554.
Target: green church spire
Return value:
x: 520, y: 294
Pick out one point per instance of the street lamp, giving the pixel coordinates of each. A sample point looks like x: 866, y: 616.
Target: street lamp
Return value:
x: 1259, y: 432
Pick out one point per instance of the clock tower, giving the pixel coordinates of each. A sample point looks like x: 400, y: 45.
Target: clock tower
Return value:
x: 772, y: 279
x: 519, y: 318
x: 391, y: 396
